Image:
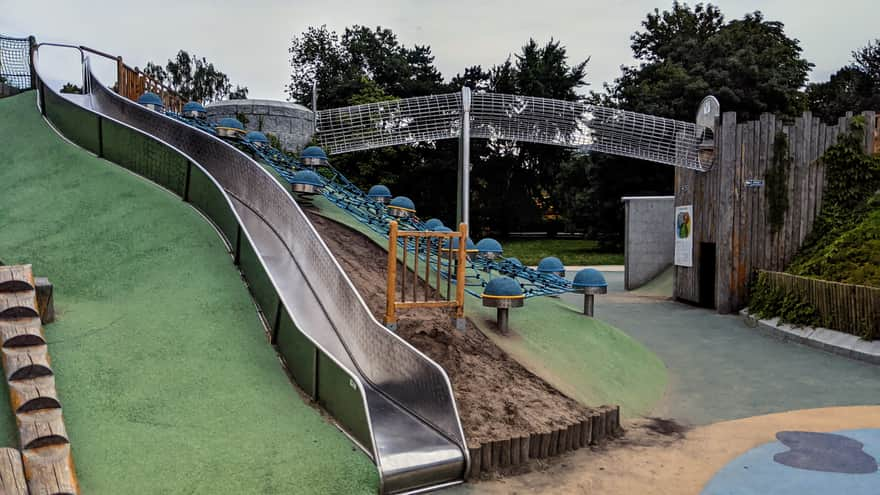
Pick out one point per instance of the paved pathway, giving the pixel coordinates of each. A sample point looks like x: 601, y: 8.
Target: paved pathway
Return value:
x: 720, y: 369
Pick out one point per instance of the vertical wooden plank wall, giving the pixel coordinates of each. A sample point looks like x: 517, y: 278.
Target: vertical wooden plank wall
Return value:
x: 735, y: 217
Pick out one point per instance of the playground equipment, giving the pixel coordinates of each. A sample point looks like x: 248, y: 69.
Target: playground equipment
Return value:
x: 256, y: 138
x: 432, y: 257
x: 551, y: 265
x: 313, y: 156
x: 306, y: 182
x: 379, y: 193
x: 401, y: 207
x: 503, y: 293
x: 588, y: 282
x: 194, y: 110
x: 391, y: 399
x: 489, y: 248
x: 433, y: 224
x: 152, y: 101
x: 230, y: 128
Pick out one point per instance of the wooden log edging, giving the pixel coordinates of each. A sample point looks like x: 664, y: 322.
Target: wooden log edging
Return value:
x: 597, y: 428
x: 45, y: 458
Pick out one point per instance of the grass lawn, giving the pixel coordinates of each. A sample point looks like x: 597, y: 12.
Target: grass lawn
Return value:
x: 572, y: 252
x: 166, y: 377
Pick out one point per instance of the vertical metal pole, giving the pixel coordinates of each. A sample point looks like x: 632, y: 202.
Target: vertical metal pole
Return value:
x: 32, y: 43
x: 315, y: 96
x: 464, y: 159
x: 460, y: 276
x: 588, y: 304
x: 502, y: 317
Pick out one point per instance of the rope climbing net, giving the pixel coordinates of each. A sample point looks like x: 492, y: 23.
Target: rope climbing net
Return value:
x: 504, y: 117
x: 15, y: 62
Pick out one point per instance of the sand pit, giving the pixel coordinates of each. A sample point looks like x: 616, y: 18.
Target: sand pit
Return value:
x: 497, y: 398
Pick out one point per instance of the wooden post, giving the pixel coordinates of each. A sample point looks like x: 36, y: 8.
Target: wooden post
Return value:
x: 391, y: 287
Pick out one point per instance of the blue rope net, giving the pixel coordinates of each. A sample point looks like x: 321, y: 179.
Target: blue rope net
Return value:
x: 347, y: 196
x: 15, y: 62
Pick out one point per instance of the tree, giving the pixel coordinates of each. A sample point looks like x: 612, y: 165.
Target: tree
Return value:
x: 749, y: 64
x: 195, y: 78
x: 684, y: 54
x: 855, y: 87
x: 71, y: 88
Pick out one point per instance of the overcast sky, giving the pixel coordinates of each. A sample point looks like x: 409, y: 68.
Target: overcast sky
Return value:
x: 249, y: 39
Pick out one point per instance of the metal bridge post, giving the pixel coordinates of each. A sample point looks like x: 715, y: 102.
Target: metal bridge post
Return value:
x: 464, y: 159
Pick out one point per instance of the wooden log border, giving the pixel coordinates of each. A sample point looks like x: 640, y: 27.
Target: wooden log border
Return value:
x: 600, y: 426
x: 46, y: 461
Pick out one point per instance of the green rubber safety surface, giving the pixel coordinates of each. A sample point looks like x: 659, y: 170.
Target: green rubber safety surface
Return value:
x: 166, y: 377
x: 586, y: 358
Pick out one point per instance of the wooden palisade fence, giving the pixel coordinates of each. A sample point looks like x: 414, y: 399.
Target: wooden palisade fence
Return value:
x: 132, y: 83
x: 849, y: 308
x: 732, y: 235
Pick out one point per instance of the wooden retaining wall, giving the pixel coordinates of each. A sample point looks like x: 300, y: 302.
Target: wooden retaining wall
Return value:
x: 848, y: 308
x: 45, y: 463
x: 733, y: 217
x: 601, y: 426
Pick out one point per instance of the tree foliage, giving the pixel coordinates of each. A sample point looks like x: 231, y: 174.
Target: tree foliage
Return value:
x: 855, y: 87
x: 71, y: 88
x: 194, y: 78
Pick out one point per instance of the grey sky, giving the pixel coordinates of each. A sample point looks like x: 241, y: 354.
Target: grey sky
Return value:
x: 249, y: 39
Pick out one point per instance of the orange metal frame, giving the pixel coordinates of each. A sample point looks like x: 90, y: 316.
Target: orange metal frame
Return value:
x: 430, y: 239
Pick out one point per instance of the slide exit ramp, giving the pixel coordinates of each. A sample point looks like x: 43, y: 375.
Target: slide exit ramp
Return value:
x: 393, y: 401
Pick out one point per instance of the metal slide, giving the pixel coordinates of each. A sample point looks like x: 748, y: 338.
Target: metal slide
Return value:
x: 416, y: 435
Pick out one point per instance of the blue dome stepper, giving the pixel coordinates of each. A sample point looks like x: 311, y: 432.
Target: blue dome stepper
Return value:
x: 588, y: 282
x: 313, y: 156
x: 490, y: 248
x: 469, y: 245
x: 379, y: 193
x: 151, y: 101
x: 194, y: 110
x: 513, y: 261
x: 306, y: 182
x: 503, y: 293
x: 257, y: 138
x: 433, y: 223
x: 229, y: 127
x: 441, y: 228
x: 401, y: 207
x: 551, y: 264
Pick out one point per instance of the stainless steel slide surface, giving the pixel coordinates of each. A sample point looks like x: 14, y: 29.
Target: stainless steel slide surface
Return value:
x: 416, y: 435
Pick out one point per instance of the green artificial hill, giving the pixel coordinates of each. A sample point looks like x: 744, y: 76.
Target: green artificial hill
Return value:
x: 586, y: 358
x: 166, y: 377
x: 844, y: 245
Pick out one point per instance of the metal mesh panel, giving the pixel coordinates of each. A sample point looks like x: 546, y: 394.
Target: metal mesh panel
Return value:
x: 505, y: 117
x: 15, y: 62
x: 389, y: 123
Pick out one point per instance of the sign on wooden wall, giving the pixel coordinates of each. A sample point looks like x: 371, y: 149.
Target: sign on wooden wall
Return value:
x: 684, y: 235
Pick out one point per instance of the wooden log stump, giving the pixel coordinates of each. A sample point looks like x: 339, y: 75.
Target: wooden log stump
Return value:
x: 22, y: 363
x: 514, y: 451
x: 18, y: 305
x: 21, y: 332
x: 545, y: 445
x: 476, y: 458
x: 496, y: 454
x: 49, y: 470
x: 486, y: 457
x: 41, y: 428
x: 554, y: 443
x: 504, y: 453
x: 524, y: 449
x: 12, y: 480
x: 617, y: 429
x: 45, y: 299
x: 563, y: 441
x: 598, y: 435
x: 574, y: 436
x: 534, y: 445
x: 586, y: 431
x: 33, y: 394
x: 16, y: 278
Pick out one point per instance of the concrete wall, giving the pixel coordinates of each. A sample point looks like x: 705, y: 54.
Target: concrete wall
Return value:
x: 649, y: 240
x: 293, y: 124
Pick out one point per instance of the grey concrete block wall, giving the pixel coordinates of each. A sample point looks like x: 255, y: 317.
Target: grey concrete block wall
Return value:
x: 293, y: 124
x: 649, y: 238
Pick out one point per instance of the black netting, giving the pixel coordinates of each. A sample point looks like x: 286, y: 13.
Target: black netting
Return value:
x: 15, y: 64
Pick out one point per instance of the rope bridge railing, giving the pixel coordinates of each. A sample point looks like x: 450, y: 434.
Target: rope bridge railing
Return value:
x: 15, y: 62
x: 505, y: 117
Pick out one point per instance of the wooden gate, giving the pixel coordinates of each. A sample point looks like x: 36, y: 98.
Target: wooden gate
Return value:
x: 433, y: 250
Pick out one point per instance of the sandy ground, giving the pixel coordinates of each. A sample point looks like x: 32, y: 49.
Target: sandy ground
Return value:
x: 497, y: 398
x: 661, y: 457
